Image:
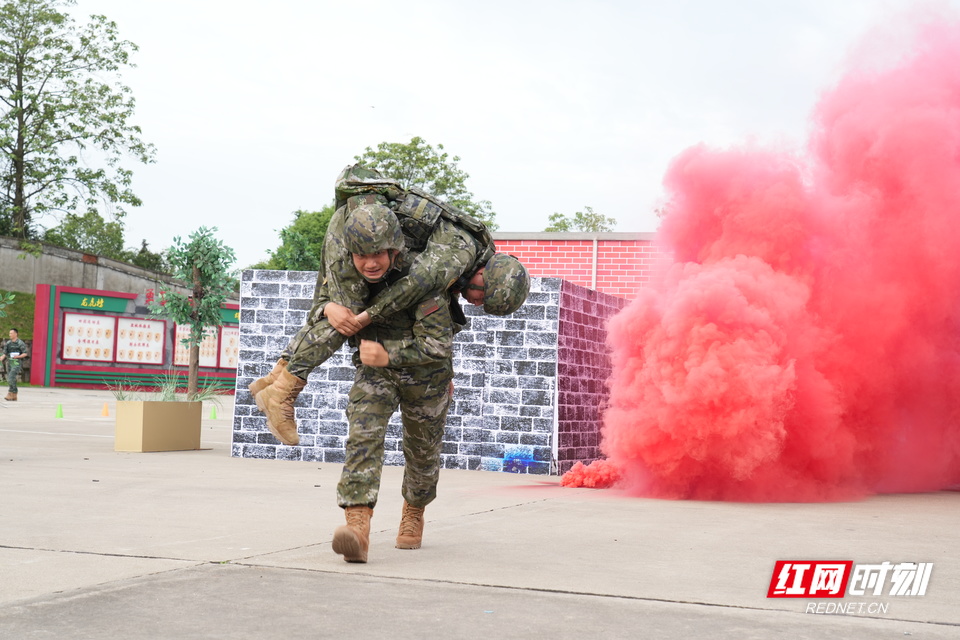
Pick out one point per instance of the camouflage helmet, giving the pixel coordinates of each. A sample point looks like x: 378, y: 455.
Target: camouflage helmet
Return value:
x: 506, y: 284
x: 372, y: 228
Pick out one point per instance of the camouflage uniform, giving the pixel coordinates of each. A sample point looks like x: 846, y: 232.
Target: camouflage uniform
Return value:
x: 419, y: 343
x: 423, y: 395
x: 14, y: 364
x: 449, y: 253
x: 317, y: 340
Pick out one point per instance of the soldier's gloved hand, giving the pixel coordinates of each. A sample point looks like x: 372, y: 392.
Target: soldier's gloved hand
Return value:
x: 341, y: 318
x: 373, y: 354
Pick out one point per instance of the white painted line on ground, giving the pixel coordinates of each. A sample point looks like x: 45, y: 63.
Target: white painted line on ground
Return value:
x: 56, y: 433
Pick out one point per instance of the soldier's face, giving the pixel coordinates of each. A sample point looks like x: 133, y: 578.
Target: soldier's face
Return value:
x: 13, y: 334
x: 372, y: 266
x: 474, y: 291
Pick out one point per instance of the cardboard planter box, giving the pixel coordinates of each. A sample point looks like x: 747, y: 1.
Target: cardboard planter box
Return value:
x: 150, y: 425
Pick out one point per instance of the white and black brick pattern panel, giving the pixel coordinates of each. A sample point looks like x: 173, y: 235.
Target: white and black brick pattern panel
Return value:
x: 503, y: 413
x: 583, y: 366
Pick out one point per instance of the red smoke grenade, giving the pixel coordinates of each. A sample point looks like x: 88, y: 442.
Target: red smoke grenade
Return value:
x: 804, y: 344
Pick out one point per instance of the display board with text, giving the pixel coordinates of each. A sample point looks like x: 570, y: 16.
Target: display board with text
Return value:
x: 92, y: 338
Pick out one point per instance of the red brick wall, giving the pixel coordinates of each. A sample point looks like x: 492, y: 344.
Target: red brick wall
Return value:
x: 624, y: 261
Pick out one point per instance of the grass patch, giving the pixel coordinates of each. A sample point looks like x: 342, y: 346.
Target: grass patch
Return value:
x: 168, y: 387
x: 19, y: 315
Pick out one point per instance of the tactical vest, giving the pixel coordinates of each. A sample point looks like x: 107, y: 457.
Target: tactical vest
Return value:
x: 418, y: 212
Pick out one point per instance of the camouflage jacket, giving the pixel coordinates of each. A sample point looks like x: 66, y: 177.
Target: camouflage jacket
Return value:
x: 12, y: 348
x: 449, y: 253
x: 418, y: 335
x: 421, y: 333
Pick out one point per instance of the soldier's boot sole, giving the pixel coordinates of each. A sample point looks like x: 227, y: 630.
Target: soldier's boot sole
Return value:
x: 262, y: 405
x: 276, y: 402
x: 347, y: 543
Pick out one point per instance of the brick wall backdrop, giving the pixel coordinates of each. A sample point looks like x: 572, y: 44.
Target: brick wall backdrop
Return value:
x: 510, y: 374
x: 583, y: 366
x: 613, y: 263
x: 503, y: 412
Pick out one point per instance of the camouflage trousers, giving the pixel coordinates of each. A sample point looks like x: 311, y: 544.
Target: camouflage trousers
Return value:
x: 311, y: 347
x: 13, y: 370
x: 423, y: 395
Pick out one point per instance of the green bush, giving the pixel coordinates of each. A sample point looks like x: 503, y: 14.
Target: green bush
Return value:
x: 19, y: 315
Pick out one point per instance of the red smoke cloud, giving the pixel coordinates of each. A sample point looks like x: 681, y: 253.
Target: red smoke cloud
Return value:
x: 804, y: 344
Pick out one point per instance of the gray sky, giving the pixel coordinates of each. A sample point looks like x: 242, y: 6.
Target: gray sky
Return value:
x: 255, y: 107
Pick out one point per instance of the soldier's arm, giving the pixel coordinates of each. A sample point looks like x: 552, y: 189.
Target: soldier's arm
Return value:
x: 340, y: 317
x: 448, y: 254
x: 324, y: 308
x: 431, y: 338
x: 321, y: 295
x: 321, y: 291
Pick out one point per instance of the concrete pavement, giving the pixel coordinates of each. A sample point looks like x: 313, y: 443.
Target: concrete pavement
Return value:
x: 197, y: 544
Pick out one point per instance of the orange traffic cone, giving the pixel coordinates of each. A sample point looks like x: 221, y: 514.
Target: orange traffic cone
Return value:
x: 106, y: 410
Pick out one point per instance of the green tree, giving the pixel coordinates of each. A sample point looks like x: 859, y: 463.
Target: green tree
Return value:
x: 417, y: 164
x: 147, y: 259
x: 65, y: 124
x: 301, y: 242
x: 586, y: 220
x: 204, y: 264
x: 90, y: 233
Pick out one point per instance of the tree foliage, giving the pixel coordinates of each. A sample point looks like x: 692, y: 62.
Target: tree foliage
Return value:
x: 587, y: 220
x: 146, y: 259
x: 65, y: 124
x: 90, y: 233
x: 6, y: 299
x: 417, y: 164
x: 301, y: 242
x: 204, y: 264
x: 17, y: 309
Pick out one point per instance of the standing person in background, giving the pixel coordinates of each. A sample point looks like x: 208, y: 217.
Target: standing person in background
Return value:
x: 14, y: 350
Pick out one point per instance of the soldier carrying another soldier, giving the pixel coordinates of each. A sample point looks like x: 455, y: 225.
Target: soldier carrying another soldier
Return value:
x: 398, y: 306
x: 450, y: 250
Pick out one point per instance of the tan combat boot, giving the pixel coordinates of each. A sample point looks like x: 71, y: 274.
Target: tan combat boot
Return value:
x: 276, y: 402
x: 352, y: 540
x: 411, y: 527
x: 11, y: 396
x: 260, y: 384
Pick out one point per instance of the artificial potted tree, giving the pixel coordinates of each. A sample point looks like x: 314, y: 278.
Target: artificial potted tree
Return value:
x: 170, y: 423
